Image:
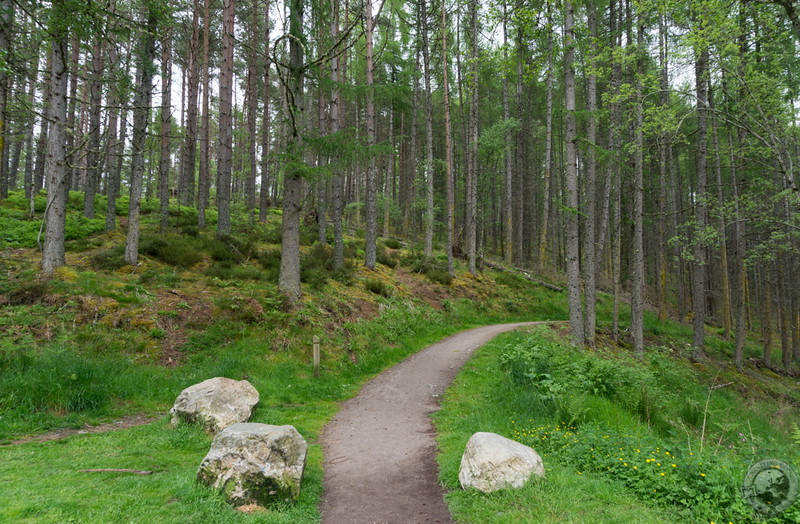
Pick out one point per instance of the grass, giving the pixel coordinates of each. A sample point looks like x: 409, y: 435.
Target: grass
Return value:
x: 617, y: 439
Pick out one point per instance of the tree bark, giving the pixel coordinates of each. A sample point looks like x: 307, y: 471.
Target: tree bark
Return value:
x: 55, y: 166
x: 428, y: 169
x: 699, y: 267
x: 472, y: 169
x: 370, y: 207
x: 289, y: 279
x: 146, y: 50
x: 166, y: 129
x: 224, y: 163
x: 638, y: 272
x: 450, y: 213
x: 571, y: 214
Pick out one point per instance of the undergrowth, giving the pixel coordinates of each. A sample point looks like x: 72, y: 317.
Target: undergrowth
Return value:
x: 667, y: 435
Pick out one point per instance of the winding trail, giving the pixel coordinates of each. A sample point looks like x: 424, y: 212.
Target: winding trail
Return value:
x: 380, y: 450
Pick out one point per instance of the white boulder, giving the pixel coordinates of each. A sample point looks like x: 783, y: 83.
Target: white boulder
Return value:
x: 491, y: 462
x: 215, y: 403
x: 255, y: 463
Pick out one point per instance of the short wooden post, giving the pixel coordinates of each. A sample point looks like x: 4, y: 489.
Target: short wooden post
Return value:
x: 316, y: 356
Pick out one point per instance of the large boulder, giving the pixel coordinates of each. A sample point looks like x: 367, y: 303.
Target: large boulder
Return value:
x: 255, y: 463
x: 215, y: 403
x: 491, y: 462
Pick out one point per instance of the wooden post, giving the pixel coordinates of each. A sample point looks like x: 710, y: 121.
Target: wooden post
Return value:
x: 316, y: 356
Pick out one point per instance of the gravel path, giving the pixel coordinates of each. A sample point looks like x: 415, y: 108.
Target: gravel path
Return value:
x: 380, y: 450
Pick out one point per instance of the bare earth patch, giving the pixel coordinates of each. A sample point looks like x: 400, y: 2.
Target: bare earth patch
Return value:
x: 123, y: 423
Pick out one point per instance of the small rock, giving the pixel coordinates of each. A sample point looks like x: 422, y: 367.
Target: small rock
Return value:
x: 255, y: 463
x: 251, y: 508
x: 492, y: 462
x: 215, y: 403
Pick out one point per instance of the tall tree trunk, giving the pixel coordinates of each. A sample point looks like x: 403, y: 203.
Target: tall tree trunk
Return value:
x: 508, y: 187
x: 72, y: 112
x: 726, y: 297
x: 116, y: 144
x: 224, y: 163
x: 145, y: 52
x: 252, y: 109
x: 661, y: 258
x: 699, y: 268
x: 548, y: 151
x: 204, y: 175
x: 265, y: 126
x: 451, y: 211
x: 95, y: 101
x: 428, y: 169
x: 55, y: 166
x: 638, y: 271
x: 590, y: 191
x: 472, y: 170
x: 6, y: 20
x: 571, y: 214
x: 289, y: 279
x: 337, y: 184
x: 166, y: 129
x: 370, y: 207
x: 189, y: 151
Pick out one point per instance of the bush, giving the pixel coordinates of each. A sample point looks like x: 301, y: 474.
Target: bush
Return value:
x: 224, y: 272
x: 109, y: 259
x: 172, y: 249
x: 393, y: 243
x: 29, y: 293
x: 379, y: 287
x: 434, y: 269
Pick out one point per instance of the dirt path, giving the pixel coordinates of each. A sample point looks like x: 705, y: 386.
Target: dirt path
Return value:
x: 380, y: 450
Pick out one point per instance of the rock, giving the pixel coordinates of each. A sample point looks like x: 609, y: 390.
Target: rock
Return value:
x: 491, y: 462
x: 255, y: 463
x: 215, y: 403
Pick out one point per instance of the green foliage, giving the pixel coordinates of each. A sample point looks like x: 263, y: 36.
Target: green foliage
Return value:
x: 379, y: 287
x: 432, y: 267
x: 392, y: 243
x: 28, y: 292
x: 175, y: 250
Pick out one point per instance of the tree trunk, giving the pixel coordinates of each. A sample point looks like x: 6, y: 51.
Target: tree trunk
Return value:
x: 548, y: 147
x: 289, y: 279
x: 450, y: 213
x: 337, y: 184
x: 638, y: 272
x: 55, y: 166
x: 204, y: 176
x: 252, y: 109
x: 189, y: 151
x: 224, y: 163
x: 590, y: 192
x: 428, y: 170
x: 699, y: 268
x: 571, y: 214
x: 6, y: 20
x: 166, y: 129
x: 263, y: 201
x: 146, y: 50
x: 370, y: 208
x: 508, y: 208
x: 472, y: 170
x: 95, y: 102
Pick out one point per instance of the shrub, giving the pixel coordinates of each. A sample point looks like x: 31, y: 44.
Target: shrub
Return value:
x: 393, y: 243
x: 29, y: 293
x: 109, y: 259
x: 172, y: 249
x: 379, y: 287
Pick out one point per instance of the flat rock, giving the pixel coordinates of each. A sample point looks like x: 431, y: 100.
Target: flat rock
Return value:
x: 492, y: 462
x: 255, y: 463
x: 215, y: 403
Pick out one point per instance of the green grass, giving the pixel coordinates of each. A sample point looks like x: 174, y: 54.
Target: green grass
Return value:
x: 622, y: 441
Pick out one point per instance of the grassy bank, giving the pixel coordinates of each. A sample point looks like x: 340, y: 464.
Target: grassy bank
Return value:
x: 621, y: 440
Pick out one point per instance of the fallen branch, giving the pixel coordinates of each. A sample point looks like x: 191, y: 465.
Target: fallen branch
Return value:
x: 114, y: 470
x: 524, y: 274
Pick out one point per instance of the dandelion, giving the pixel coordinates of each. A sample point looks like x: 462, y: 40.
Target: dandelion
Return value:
x: 674, y: 466
x: 662, y: 473
x: 702, y: 474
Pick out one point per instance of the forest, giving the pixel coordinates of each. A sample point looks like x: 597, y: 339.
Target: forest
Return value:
x: 646, y: 148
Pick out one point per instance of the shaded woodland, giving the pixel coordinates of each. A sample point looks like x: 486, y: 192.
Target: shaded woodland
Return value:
x: 647, y: 148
